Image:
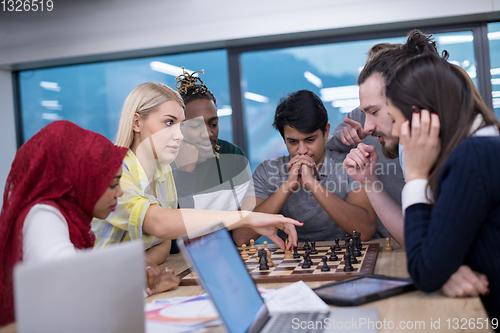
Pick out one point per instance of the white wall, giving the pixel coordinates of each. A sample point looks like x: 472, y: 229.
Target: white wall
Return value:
x: 81, y: 28
x: 83, y: 31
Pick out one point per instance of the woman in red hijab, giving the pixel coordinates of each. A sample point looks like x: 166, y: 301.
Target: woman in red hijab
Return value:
x: 60, y: 179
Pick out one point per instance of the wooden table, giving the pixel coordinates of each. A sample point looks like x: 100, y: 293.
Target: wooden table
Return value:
x: 413, y: 309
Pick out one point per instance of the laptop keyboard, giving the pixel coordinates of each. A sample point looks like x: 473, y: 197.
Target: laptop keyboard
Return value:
x: 290, y: 322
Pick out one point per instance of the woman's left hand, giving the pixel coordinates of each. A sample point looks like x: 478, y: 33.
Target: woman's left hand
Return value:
x: 421, y: 146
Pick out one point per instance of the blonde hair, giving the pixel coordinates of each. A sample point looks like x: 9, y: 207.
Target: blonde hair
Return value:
x: 144, y: 99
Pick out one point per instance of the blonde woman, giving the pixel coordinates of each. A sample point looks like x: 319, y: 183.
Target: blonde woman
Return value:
x: 150, y: 129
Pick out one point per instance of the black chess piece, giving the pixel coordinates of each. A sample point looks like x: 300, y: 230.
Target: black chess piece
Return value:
x: 309, y: 260
x: 347, y: 238
x: 348, y: 266
x: 333, y: 256
x: 351, y: 252
x: 325, y: 267
x: 337, y: 245
x: 356, y: 251
x: 263, y: 260
x: 353, y: 259
x: 358, y: 243
x: 306, y: 244
x: 296, y: 254
x: 313, y: 248
x: 306, y: 263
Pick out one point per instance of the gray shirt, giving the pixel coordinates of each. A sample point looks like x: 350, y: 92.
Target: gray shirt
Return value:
x: 389, y: 171
x: 301, y: 205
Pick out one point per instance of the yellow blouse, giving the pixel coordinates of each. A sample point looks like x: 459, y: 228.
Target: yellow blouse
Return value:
x: 125, y: 223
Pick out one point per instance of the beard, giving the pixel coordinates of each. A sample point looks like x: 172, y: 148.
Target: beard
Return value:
x: 390, y: 151
x: 390, y: 148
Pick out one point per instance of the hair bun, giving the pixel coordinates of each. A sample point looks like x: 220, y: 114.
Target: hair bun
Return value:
x: 418, y: 43
x: 188, y: 84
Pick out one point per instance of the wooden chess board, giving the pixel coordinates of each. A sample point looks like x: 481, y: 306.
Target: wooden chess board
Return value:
x: 291, y: 270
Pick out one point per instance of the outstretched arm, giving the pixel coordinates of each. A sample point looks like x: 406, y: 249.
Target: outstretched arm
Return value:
x: 174, y: 223
x: 244, y: 235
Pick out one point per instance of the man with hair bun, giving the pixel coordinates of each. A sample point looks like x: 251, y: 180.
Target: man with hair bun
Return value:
x: 310, y: 184
x: 383, y: 189
x: 372, y: 119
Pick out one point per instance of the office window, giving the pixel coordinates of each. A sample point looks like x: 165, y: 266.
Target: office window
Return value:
x: 330, y: 71
x: 92, y: 95
x: 494, y: 41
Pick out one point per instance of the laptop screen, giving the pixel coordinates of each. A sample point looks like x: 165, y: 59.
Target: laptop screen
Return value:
x: 226, y: 279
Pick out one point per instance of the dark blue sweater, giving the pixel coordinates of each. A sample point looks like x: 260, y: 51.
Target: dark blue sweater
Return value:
x: 463, y: 227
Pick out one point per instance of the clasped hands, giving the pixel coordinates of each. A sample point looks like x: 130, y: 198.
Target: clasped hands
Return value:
x: 301, y: 172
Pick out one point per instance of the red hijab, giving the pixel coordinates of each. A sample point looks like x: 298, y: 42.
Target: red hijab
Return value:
x: 64, y: 166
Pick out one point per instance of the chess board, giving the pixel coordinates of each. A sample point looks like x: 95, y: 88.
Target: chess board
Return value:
x: 290, y: 270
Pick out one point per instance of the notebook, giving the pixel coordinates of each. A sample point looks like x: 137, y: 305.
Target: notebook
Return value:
x: 225, y: 278
x: 94, y: 291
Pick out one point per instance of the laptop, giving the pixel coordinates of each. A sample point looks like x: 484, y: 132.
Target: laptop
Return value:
x: 93, y: 291
x: 225, y: 278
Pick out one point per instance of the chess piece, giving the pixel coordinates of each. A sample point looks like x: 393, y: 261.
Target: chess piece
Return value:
x: 244, y: 254
x: 388, y: 247
x: 313, y: 248
x: 306, y: 244
x: 306, y: 263
x: 288, y: 253
x: 356, y: 252
x: 325, y: 267
x: 309, y: 259
x: 296, y: 254
x: 354, y: 260
x: 337, y: 245
x: 358, y: 241
x: 263, y: 266
x: 270, y: 262
x: 348, y: 267
x: 333, y: 255
x: 351, y: 252
x: 346, y: 239
x: 252, y: 249
x: 258, y: 258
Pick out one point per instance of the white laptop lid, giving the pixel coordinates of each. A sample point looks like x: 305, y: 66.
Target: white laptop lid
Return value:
x: 93, y: 291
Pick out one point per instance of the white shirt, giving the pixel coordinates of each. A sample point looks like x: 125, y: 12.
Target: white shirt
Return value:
x: 46, y: 235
